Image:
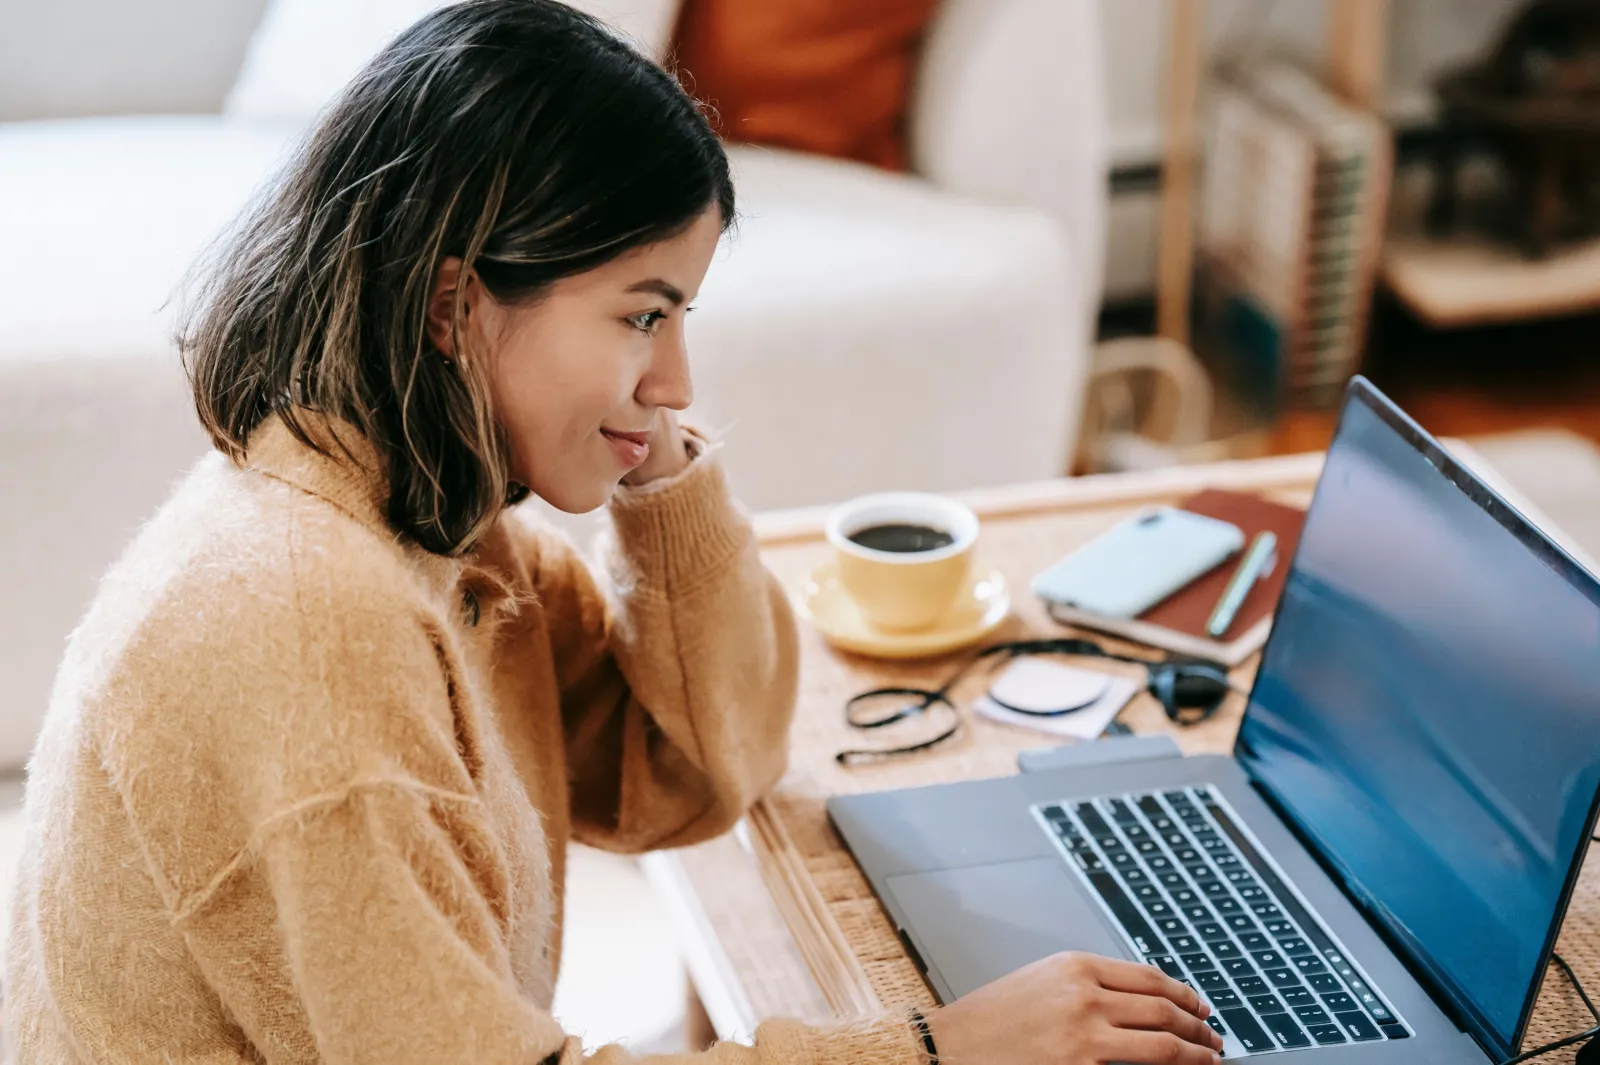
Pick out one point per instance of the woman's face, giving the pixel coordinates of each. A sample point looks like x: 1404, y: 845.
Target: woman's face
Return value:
x: 601, y: 352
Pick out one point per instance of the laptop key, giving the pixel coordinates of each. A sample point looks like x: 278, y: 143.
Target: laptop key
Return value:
x: 1323, y: 984
x: 1136, y: 832
x: 1146, y: 892
x: 1247, y: 1030
x: 1311, y: 965
x: 1279, y: 927
x: 1240, y: 923
x: 1124, y: 860
x: 1269, y: 959
x: 1158, y: 909
x: 1210, y: 980
x: 1198, y: 963
x: 1240, y: 876
x: 1214, y: 889
x: 1127, y: 914
x: 1285, y: 1030
x: 1177, y: 798
x: 1326, y: 1034
x: 1215, y: 1021
x: 1266, y: 911
x: 1210, y: 930
x: 1237, y: 967
x: 1171, y: 926
x: 1282, y: 977
x: 1186, y: 854
x: 1266, y: 1004
x: 1360, y: 1028
x: 1253, y: 985
x: 1159, y: 863
x: 1201, y: 874
x: 1339, y: 1002
x: 1394, y: 1030
x: 1092, y: 820
x: 1294, y: 945
x: 1147, y: 846
x: 1199, y: 914
x: 1135, y: 876
x: 1310, y: 1015
x: 1088, y: 862
x: 1252, y: 894
x: 1109, y: 844
x: 1254, y: 941
x: 1169, y: 965
x: 1174, y: 880
x: 1184, y: 944
x: 1121, y: 812
x: 1229, y: 906
x: 1299, y: 996
x: 1224, y: 997
x: 1226, y: 949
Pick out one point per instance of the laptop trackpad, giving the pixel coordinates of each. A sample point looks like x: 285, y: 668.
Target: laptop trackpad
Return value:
x: 977, y: 924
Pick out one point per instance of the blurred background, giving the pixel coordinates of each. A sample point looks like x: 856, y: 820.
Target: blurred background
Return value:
x: 982, y: 241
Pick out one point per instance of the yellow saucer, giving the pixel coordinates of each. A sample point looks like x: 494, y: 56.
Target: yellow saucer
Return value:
x: 975, y: 614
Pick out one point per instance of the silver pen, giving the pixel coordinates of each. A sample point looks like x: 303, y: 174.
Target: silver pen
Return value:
x: 1256, y: 562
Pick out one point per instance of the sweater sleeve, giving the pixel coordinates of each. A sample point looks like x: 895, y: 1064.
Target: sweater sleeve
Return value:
x: 397, y: 958
x: 678, y: 670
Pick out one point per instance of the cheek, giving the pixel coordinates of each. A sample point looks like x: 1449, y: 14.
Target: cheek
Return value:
x: 553, y: 388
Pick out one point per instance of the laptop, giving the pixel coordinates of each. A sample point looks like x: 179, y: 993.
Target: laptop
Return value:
x: 1379, y: 871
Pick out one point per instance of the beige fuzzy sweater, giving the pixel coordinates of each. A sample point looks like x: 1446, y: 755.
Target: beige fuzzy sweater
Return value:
x: 304, y: 791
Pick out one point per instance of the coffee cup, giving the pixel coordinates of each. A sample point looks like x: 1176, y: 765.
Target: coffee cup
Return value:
x: 903, y: 557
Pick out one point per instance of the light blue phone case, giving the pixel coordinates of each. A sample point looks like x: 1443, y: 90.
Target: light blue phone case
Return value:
x: 1126, y: 571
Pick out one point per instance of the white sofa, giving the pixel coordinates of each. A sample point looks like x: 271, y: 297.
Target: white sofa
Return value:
x: 861, y: 330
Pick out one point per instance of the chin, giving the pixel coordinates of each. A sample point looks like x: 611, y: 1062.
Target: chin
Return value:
x: 577, y: 498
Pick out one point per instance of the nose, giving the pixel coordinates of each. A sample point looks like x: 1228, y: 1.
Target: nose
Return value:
x: 666, y: 383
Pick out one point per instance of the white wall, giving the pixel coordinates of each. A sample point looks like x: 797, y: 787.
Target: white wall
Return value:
x: 1425, y: 37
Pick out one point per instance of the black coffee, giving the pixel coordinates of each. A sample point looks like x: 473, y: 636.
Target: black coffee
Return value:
x: 902, y: 539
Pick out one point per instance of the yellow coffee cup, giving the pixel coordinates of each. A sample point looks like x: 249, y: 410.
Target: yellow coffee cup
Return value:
x: 903, y: 557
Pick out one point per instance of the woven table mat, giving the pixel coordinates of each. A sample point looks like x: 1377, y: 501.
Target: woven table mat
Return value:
x: 849, y: 943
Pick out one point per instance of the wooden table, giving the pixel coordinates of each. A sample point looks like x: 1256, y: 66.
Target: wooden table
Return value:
x: 737, y: 901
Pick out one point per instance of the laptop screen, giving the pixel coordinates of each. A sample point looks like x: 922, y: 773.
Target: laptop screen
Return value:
x: 1427, y: 712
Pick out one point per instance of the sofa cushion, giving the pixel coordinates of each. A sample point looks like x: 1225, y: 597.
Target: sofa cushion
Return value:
x: 304, y: 51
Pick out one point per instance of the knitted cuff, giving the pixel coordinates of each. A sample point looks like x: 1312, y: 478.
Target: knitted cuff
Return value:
x: 674, y: 532
x: 886, y: 1040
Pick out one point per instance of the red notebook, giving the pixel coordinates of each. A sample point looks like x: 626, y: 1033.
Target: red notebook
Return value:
x: 1178, y: 623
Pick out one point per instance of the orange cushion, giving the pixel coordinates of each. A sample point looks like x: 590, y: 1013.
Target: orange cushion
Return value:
x: 826, y: 76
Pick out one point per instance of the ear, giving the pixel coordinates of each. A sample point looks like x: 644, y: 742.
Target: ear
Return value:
x: 442, y: 302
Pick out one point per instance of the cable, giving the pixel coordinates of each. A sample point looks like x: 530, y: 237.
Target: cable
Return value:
x: 1559, y: 1044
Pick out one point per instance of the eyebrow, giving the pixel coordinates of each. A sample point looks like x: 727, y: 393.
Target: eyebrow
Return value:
x: 671, y: 293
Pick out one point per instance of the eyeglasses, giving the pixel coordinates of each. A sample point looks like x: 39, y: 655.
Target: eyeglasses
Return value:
x: 1189, y: 690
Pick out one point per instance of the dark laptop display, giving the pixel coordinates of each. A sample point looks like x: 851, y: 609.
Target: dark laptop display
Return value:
x: 1427, y: 714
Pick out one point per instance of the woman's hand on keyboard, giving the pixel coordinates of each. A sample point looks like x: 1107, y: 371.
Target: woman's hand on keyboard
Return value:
x: 1077, y: 1009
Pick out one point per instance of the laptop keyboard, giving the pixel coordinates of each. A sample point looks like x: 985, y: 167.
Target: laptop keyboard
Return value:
x: 1194, y: 897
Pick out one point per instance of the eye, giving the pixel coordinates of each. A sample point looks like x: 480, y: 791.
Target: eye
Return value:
x: 646, y: 322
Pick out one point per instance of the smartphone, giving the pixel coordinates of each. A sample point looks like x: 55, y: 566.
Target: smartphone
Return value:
x: 1126, y: 571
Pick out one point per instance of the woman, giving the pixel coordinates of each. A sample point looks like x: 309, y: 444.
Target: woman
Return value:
x: 315, y: 754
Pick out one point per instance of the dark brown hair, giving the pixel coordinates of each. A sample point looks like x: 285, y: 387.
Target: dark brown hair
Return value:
x: 520, y: 135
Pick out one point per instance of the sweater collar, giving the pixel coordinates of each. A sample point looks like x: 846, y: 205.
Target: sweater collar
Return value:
x: 347, y: 472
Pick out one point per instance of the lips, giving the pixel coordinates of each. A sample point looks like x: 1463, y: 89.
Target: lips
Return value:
x: 631, y: 449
